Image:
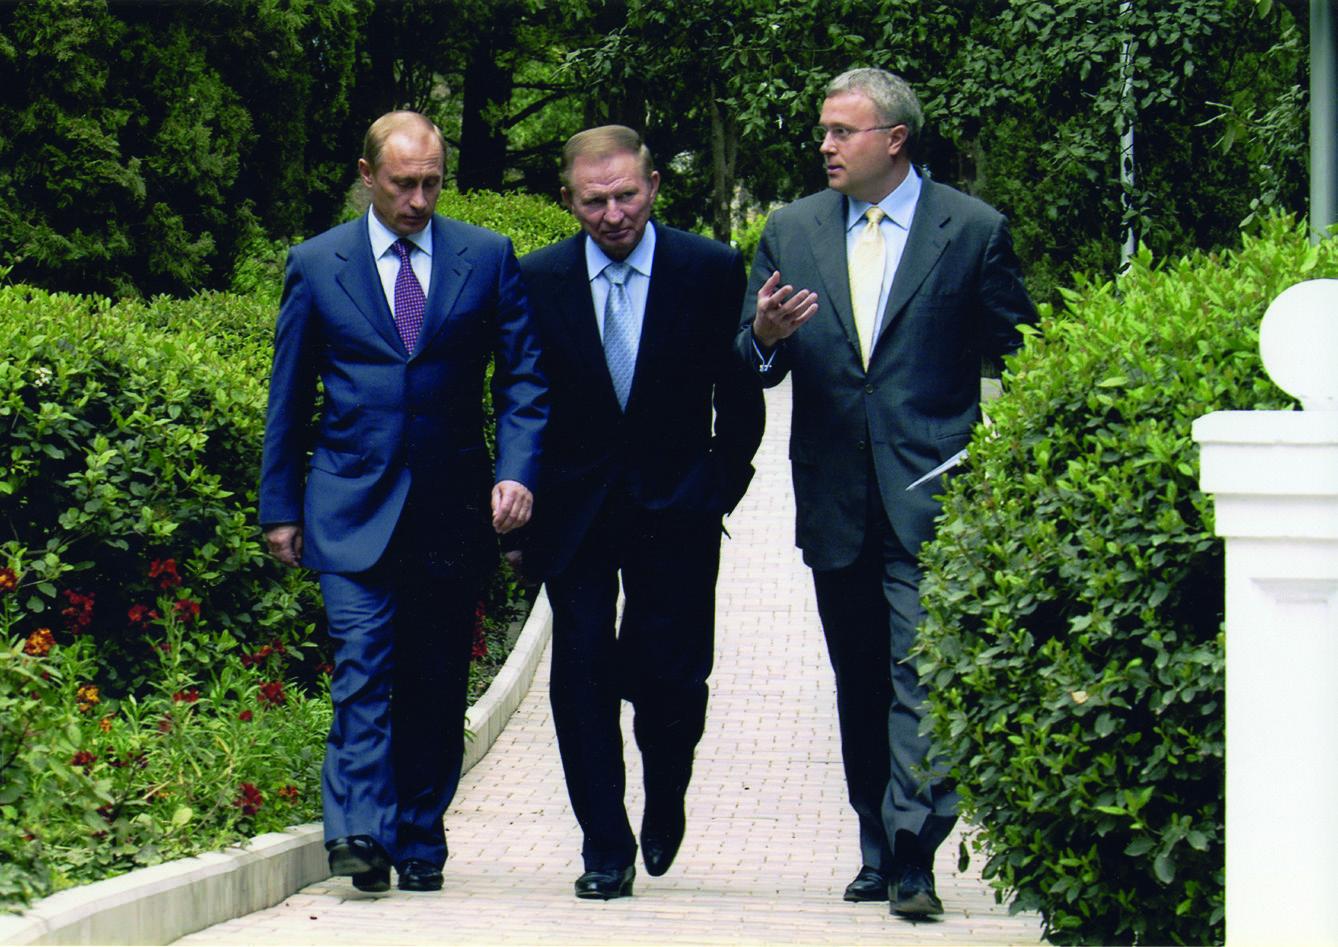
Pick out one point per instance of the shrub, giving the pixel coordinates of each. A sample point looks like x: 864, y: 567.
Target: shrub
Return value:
x: 132, y: 441
x: 216, y: 750
x: 1073, y: 647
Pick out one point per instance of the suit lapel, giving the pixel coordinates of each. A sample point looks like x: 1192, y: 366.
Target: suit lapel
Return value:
x: 924, y: 245
x: 450, y: 270
x: 358, y: 276
x: 828, y: 242
x: 667, y: 284
x: 575, y: 307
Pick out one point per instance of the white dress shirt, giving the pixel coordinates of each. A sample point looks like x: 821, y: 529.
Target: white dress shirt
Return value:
x: 638, y: 279
x: 388, y: 261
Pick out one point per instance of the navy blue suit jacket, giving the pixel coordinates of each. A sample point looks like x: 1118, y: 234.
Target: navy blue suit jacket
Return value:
x: 389, y: 422
x: 694, y: 416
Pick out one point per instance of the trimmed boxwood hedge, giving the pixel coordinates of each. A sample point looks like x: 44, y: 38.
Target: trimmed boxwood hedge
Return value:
x: 1074, y: 647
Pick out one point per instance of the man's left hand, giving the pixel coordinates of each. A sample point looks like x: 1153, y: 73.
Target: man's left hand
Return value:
x: 512, y: 503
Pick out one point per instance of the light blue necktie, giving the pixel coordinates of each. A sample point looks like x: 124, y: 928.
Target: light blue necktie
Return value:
x: 619, y: 333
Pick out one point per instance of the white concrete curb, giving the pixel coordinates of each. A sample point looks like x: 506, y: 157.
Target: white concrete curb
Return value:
x: 160, y: 904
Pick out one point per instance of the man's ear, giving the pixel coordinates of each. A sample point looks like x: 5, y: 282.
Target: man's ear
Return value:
x: 896, y: 140
x: 365, y: 172
x: 566, y: 198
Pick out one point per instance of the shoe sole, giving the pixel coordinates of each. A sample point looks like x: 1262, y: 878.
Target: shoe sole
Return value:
x: 344, y: 862
x: 372, y: 885
x: 421, y: 886
x: 921, y: 905
x: 623, y: 892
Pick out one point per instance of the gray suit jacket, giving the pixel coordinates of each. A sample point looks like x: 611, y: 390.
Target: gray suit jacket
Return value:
x: 957, y: 297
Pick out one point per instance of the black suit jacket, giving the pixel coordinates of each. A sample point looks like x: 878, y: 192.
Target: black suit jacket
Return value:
x: 957, y: 296
x: 665, y: 452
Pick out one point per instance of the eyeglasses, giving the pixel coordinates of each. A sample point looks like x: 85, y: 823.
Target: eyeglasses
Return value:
x: 840, y: 133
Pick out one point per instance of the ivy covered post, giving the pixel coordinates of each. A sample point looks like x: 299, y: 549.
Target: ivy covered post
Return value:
x: 1274, y: 476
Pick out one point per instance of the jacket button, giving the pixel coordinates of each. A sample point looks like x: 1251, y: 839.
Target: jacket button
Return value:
x: 859, y: 446
x: 868, y: 389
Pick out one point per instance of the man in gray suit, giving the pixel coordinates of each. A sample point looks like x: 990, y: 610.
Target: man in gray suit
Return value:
x: 905, y: 286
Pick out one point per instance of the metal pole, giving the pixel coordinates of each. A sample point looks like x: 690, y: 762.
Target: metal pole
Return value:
x: 1127, y: 135
x: 1323, y: 116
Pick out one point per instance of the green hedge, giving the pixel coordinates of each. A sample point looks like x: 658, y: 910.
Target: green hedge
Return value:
x: 132, y: 437
x: 1074, y: 647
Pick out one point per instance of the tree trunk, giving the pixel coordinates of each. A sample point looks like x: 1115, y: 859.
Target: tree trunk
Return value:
x: 724, y: 159
x: 487, y: 91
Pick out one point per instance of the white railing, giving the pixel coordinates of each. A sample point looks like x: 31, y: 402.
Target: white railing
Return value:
x: 1274, y: 478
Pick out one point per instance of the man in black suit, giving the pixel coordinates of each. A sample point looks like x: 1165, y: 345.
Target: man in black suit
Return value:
x: 907, y: 284
x: 638, y: 321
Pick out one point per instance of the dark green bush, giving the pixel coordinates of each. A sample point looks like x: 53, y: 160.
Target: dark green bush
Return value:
x: 131, y: 437
x: 1074, y: 647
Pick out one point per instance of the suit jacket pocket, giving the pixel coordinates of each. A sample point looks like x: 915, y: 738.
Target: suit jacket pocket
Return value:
x: 339, y: 463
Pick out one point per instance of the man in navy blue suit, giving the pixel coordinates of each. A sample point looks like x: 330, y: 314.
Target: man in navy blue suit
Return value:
x: 397, y: 314
x: 653, y: 429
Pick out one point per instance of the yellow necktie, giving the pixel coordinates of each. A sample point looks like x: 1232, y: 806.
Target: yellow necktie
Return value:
x: 867, y: 259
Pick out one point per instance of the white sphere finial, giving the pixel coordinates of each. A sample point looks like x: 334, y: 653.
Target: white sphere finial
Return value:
x: 1298, y: 341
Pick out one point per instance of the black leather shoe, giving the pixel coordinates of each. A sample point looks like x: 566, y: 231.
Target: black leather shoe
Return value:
x: 869, y: 885
x: 378, y: 879
x: 606, y: 885
x: 358, y: 855
x: 418, y: 875
x: 661, y: 834
x: 915, y: 895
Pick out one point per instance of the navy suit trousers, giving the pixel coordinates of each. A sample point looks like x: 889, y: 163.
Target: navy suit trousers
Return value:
x: 403, y: 632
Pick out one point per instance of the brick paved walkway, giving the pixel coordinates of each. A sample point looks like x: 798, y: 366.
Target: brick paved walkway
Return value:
x: 771, y: 840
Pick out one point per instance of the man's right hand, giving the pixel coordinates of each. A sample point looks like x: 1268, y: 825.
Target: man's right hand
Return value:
x: 781, y: 310
x: 285, y: 543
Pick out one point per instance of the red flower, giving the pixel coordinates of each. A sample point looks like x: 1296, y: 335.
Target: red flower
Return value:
x: 165, y: 724
x: 289, y: 793
x: 165, y: 571
x: 271, y: 693
x: 480, y: 648
x: 83, y: 758
x: 39, y: 643
x: 186, y: 697
x: 251, y: 660
x: 79, y: 612
x: 245, y: 716
x: 187, y: 609
x: 9, y: 581
x: 141, y: 615
x: 325, y: 667
x: 249, y: 799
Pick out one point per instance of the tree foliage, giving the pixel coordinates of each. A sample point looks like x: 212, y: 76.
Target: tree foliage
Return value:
x: 143, y: 143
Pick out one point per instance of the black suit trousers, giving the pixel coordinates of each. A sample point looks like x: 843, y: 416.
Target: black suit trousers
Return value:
x: 870, y: 611
x: 658, y: 659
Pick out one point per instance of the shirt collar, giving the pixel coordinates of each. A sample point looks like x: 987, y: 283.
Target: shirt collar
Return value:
x: 899, y: 206
x: 382, y: 236
x: 639, y: 259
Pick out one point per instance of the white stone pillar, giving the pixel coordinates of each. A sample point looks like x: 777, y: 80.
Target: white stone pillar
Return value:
x: 1274, y: 478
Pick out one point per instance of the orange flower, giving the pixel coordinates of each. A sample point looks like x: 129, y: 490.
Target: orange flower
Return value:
x: 105, y: 724
x: 289, y: 793
x: 87, y: 696
x: 39, y: 643
x: 9, y: 581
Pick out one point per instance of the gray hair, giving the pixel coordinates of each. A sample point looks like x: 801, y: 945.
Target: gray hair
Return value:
x: 893, y: 99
